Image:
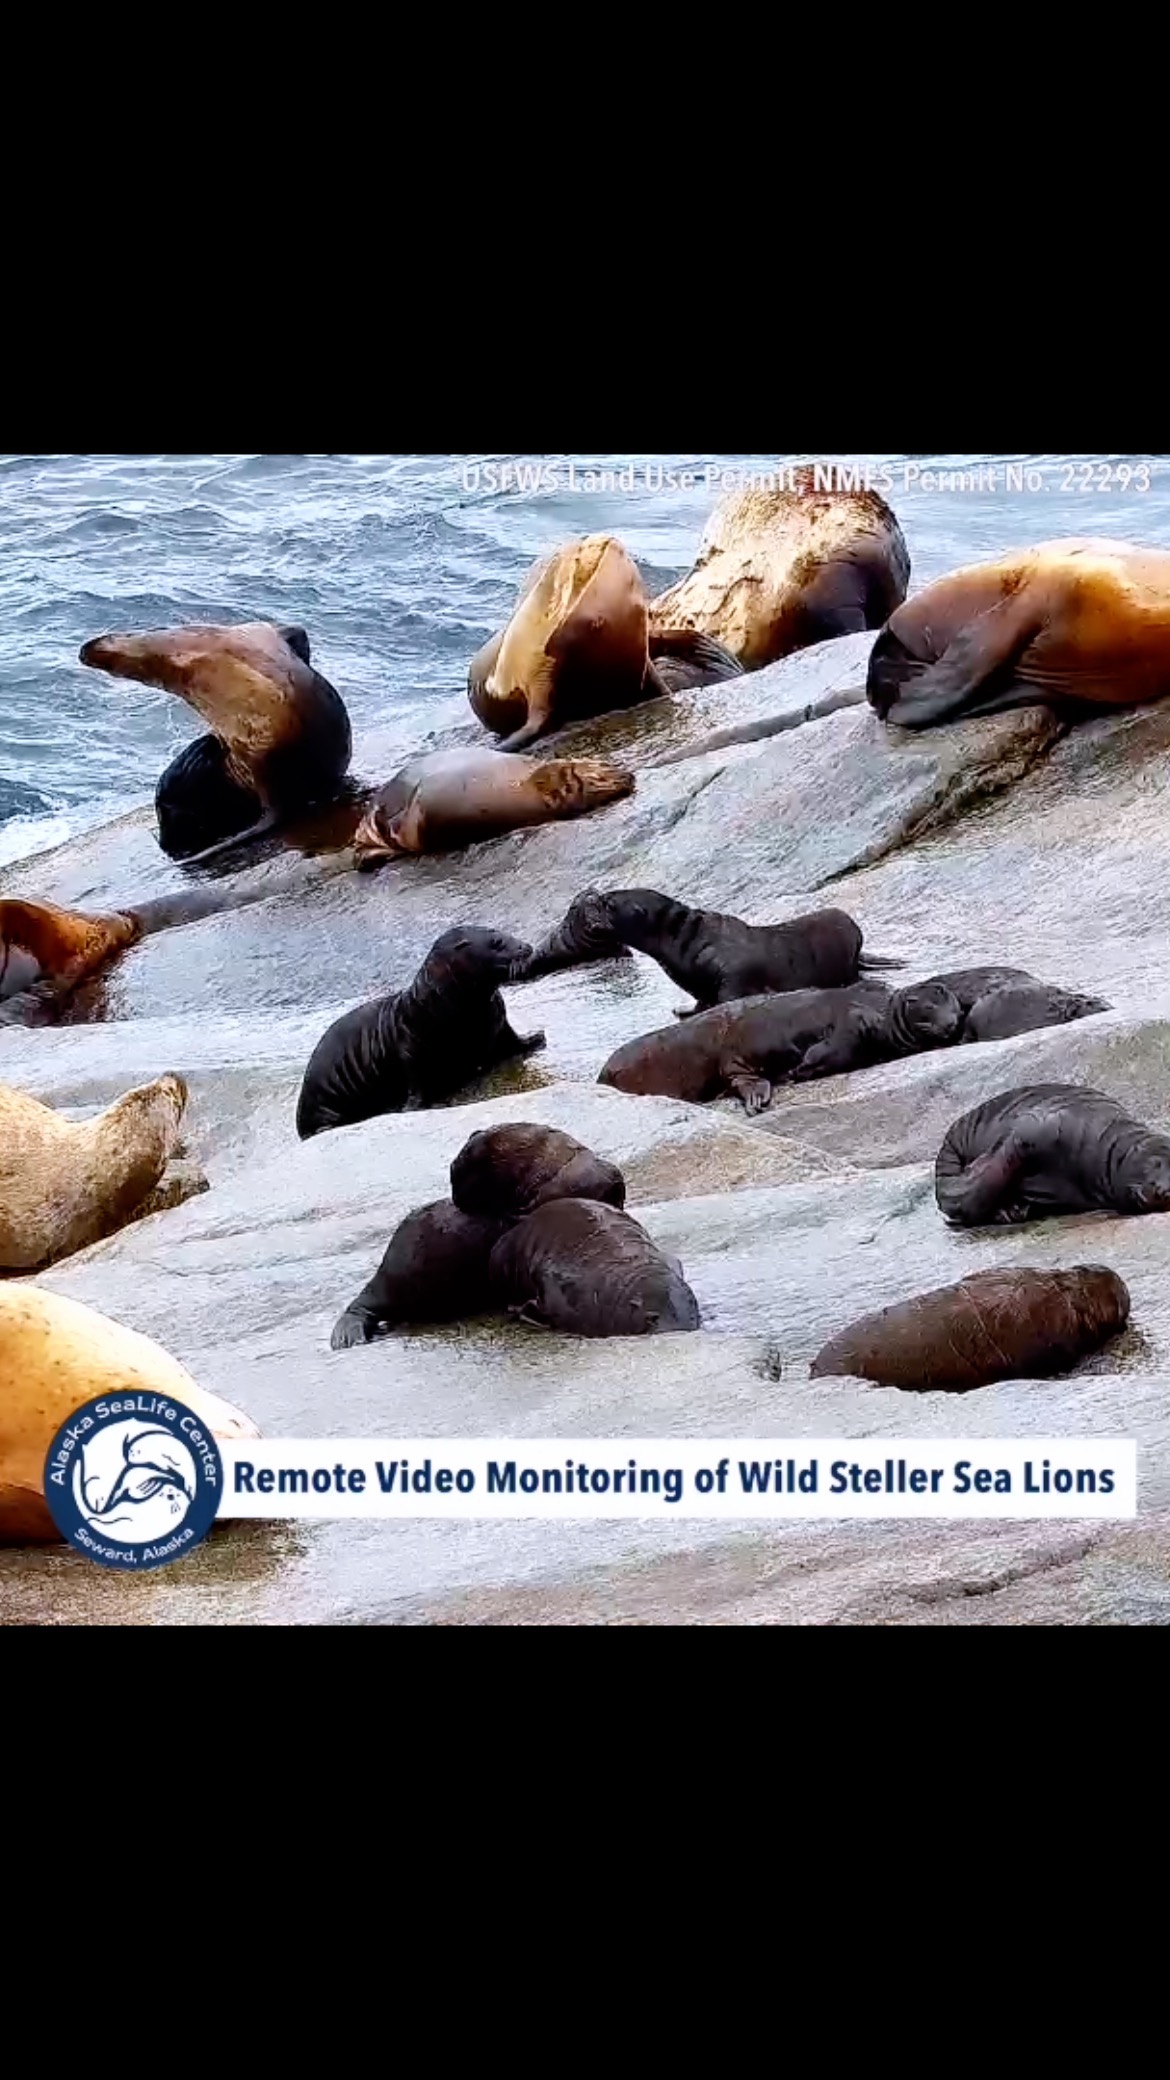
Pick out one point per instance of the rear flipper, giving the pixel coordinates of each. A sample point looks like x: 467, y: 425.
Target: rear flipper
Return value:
x: 872, y: 964
x: 682, y: 658
x: 981, y: 1195
x: 754, y: 1092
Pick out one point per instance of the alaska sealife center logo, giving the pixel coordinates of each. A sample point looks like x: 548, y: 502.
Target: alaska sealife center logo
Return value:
x: 134, y: 1482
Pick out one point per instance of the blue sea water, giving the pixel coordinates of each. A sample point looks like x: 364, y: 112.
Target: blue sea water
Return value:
x: 400, y: 566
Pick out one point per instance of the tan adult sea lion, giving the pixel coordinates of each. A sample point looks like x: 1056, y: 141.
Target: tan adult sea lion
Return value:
x: 782, y: 568
x: 445, y: 800
x: 55, y: 1355
x: 65, y: 1183
x: 1081, y: 620
x: 281, y: 740
x: 45, y: 952
x: 579, y: 644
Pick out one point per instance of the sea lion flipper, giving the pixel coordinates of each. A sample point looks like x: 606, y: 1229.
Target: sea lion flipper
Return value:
x: 298, y: 642
x: 683, y: 657
x: 753, y: 1091
x: 977, y: 1198
x: 353, y: 1330
x: 267, y: 823
x: 540, y: 706
x: 982, y: 651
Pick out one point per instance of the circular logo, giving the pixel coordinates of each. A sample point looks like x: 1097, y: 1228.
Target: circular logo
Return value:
x: 134, y: 1482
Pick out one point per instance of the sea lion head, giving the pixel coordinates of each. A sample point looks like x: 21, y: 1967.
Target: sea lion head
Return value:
x: 1101, y: 1299
x: 470, y: 954
x: 587, y: 933
x: 929, y: 1015
x: 1151, y: 1191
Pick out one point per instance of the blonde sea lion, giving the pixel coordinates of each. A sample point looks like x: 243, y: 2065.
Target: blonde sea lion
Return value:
x: 55, y: 1355
x: 445, y: 800
x: 781, y: 569
x: 1077, y: 620
x: 65, y: 1184
x: 281, y: 740
x: 578, y: 645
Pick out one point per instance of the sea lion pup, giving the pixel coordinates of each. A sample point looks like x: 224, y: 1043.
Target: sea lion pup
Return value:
x: 435, y: 1270
x: 578, y: 645
x: 996, y: 1325
x: 1048, y: 1149
x: 1080, y: 620
x: 780, y: 569
x: 1027, y: 1007
x: 64, y: 1185
x: 55, y: 1355
x: 281, y: 740
x: 745, y: 1049
x: 584, y: 1269
x: 444, y: 800
x: 508, y: 1172
x: 718, y: 959
x: 421, y: 1044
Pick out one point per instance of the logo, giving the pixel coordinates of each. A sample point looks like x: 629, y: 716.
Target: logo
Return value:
x: 134, y: 1483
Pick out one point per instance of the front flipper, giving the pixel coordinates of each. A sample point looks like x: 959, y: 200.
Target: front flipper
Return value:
x: 978, y: 1197
x: 517, y: 1046
x: 267, y: 824
x: 753, y: 1091
x: 960, y: 683
x: 539, y: 696
x: 353, y: 1330
x: 836, y: 1056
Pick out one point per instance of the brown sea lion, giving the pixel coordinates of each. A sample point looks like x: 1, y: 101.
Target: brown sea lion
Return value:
x: 745, y: 1049
x: 422, y: 1044
x: 55, y: 1355
x: 444, y: 800
x: 1074, y: 621
x: 719, y: 960
x: 65, y: 1184
x: 281, y: 740
x: 508, y: 1172
x: 584, y: 1269
x: 578, y: 645
x: 1050, y: 1149
x: 995, y: 1325
x: 781, y: 569
x: 435, y: 1270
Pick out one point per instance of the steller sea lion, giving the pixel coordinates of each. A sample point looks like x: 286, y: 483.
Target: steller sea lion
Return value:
x: 584, y: 1269
x: 995, y: 1325
x: 55, y: 1355
x: 435, y: 1270
x: 422, y: 1044
x: 781, y: 569
x: 444, y: 800
x: 745, y: 1049
x: 64, y: 1184
x: 281, y: 740
x: 1049, y: 1149
x: 508, y: 1172
x: 1027, y: 1007
x: 720, y: 960
x: 1079, y: 620
x: 578, y: 645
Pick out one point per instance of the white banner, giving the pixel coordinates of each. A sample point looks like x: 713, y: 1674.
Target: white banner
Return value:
x: 597, y: 1478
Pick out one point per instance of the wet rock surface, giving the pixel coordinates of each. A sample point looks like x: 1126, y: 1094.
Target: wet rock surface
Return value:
x: 1007, y: 841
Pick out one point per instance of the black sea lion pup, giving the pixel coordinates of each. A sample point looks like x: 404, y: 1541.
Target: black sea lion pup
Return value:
x: 718, y: 959
x: 787, y: 565
x: 1027, y: 1007
x: 422, y: 1044
x: 1075, y: 621
x: 1050, y: 1149
x: 578, y: 645
x: 996, y: 1325
x: 507, y: 1172
x: 745, y: 1049
x: 281, y: 740
x: 584, y: 1269
x: 445, y: 800
x: 435, y: 1270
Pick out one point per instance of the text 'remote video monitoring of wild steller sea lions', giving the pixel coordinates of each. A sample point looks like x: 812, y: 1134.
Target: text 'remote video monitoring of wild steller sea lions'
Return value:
x: 563, y: 1017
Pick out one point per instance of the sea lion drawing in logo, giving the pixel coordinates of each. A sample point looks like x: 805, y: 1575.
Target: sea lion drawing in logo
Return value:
x: 134, y: 1483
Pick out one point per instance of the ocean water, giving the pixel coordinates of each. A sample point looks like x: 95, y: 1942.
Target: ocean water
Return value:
x: 400, y: 566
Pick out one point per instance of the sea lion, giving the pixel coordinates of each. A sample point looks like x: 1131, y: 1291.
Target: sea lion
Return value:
x: 281, y: 739
x: 445, y: 800
x: 421, y: 1044
x: 435, y: 1270
x: 1073, y: 621
x: 55, y: 1355
x: 578, y: 645
x: 745, y: 1049
x: 64, y: 1185
x: 995, y: 1325
x: 1027, y: 1007
x: 1049, y: 1149
x: 781, y: 569
x: 508, y: 1172
x: 584, y: 1269
x: 719, y: 960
